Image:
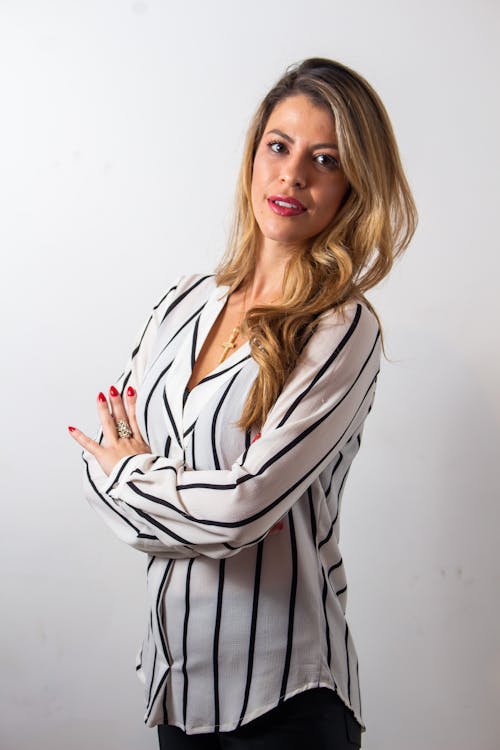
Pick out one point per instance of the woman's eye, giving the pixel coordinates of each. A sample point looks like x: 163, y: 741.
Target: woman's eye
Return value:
x: 326, y: 160
x: 276, y: 146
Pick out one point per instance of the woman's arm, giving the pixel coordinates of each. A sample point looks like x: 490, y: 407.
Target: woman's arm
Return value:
x: 218, y: 512
x: 134, y: 531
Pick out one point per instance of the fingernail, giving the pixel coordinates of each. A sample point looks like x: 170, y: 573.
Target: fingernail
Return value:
x: 130, y: 391
x: 101, y: 396
x: 256, y: 437
x: 113, y: 391
x: 71, y: 429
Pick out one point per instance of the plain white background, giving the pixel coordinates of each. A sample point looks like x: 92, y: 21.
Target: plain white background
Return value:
x: 121, y: 132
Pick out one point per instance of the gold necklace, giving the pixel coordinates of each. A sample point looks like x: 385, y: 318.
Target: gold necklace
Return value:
x: 231, y: 342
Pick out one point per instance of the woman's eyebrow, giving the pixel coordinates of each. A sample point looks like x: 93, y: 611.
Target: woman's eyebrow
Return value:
x: 290, y: 140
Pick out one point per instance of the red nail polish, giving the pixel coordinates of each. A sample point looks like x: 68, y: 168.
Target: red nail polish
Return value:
x: 101, y: 396
x: 130, y: 391
x: 113, y: 391
x: 71, y: 429
x: 256, y: 437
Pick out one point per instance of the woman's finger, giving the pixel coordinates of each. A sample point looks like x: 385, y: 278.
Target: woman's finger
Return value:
x: 87, y: 443
x: 130, y: 405
x: 117, y: 407
x: 107, y: 421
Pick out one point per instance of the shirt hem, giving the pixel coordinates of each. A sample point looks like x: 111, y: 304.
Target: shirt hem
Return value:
x: 229, y: 727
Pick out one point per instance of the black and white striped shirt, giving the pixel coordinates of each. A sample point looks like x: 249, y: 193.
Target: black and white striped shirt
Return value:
x: 246, y: 583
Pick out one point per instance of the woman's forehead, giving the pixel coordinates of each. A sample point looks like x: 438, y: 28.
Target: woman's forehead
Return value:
x: 298, y: 114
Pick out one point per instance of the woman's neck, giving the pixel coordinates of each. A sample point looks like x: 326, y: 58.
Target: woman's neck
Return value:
x: 266, y: 284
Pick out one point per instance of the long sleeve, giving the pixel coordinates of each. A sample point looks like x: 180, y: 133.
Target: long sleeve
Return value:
x: 138, y: 533
x: 219, y: 512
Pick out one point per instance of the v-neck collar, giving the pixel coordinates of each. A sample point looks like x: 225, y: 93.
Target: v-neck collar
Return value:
x: 206, y: 320
x: 183, y: 407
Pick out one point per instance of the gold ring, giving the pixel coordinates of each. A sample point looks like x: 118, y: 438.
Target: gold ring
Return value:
x: 123, y: 429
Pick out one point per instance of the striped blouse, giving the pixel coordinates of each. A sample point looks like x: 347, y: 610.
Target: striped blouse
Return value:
x: 246, y: 584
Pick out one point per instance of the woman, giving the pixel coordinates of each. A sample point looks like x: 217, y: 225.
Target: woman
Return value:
x: 228, y: 439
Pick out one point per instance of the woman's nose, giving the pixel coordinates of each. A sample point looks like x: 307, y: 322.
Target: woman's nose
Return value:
x: 293, y: 173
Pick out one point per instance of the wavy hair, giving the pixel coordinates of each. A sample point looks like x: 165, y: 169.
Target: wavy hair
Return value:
x: 374, y: 224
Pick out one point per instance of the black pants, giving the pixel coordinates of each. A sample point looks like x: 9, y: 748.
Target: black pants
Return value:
x: 316, y: 718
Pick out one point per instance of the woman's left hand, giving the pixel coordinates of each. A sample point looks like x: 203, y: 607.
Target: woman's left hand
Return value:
x: 113, y: 448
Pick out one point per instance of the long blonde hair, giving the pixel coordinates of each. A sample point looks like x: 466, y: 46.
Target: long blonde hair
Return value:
x: 373, y: 225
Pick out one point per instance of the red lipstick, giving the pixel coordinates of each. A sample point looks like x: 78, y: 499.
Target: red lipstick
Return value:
x: 284, y: 205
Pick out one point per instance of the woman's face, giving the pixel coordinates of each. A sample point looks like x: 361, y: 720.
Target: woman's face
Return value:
x: 297, y: 181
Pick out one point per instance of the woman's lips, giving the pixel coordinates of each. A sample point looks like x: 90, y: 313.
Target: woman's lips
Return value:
x: 285, y: 206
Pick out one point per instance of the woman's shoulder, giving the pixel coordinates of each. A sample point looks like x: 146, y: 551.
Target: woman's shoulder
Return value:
x: 188, y: 287
x: 350, y: 332
x: 356, y: 314
x: 190, y: 281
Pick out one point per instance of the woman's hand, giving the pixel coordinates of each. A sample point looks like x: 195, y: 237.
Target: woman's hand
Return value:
x: 113, y: 448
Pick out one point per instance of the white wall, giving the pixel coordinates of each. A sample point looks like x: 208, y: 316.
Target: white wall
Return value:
x: 121, y: 131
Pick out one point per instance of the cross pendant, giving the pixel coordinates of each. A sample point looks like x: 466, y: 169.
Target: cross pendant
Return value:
x: 229, y: 344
